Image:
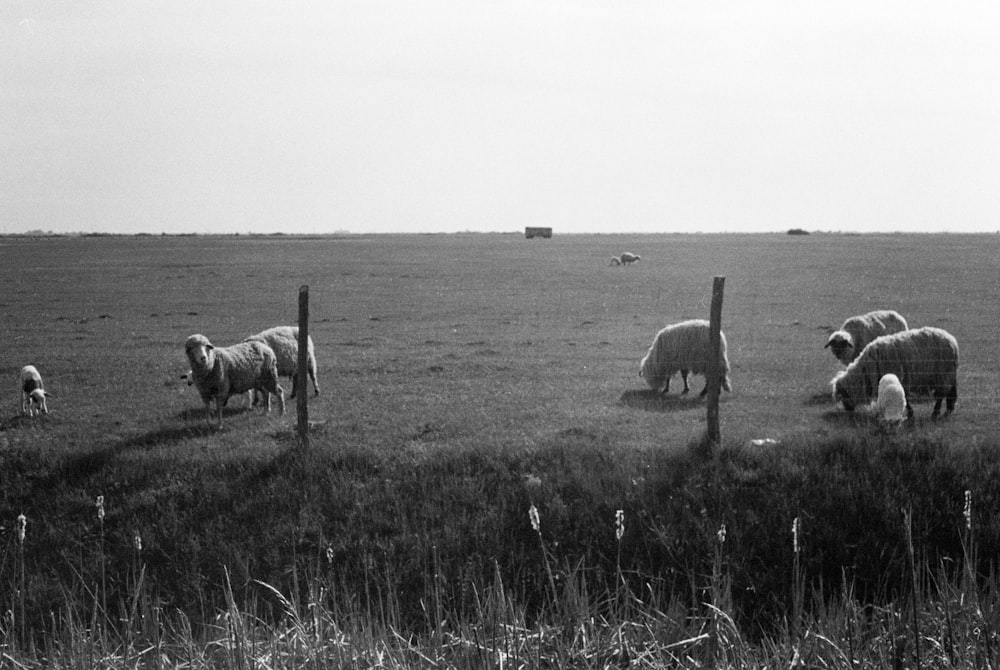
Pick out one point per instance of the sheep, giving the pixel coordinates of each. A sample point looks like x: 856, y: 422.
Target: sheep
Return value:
x: 625, y: 259
x: 924, y: 360
x: 682, y: 347
x: 33, y: 393
x: 220, y: 372
x: 284, y: 340
x: 189, y: 378
x: 857, y: 331
x: 891, y: 407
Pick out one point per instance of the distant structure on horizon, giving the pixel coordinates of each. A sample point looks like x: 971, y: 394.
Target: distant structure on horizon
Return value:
x: 530, y: 232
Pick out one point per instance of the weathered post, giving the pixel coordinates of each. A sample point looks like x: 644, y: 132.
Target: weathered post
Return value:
x: 302, y: 405
x: 714, y: 437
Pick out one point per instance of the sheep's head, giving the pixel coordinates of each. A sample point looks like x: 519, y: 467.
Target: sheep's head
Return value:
x: 199, y: 352
x: 841, y: 343
x: 841, y: 391
x: 889, y: 381
x: 654, y: 377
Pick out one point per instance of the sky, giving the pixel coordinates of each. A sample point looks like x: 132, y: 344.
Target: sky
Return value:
x: 589, y: 116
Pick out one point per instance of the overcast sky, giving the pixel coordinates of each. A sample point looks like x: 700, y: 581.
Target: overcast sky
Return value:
x: 448, y: 115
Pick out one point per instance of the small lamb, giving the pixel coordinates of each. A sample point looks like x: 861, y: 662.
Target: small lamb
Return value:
x: 890, y: 407
x: 33, y: 393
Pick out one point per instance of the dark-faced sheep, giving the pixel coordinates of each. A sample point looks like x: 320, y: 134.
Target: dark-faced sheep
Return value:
x: 682, y: 347
x: 857, y: 331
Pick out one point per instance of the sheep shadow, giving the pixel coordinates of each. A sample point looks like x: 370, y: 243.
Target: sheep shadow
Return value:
x: 840, y: 417
x: 649, y: 400
x: 197, y: 414
x: 19, y: 420
x: 168, y: 435
x: 818, y: 399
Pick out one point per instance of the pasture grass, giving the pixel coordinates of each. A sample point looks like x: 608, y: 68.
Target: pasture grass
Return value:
x: 467, y: 379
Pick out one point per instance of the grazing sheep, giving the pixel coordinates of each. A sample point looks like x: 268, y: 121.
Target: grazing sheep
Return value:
x: 625, y: 259
x: 284, y: 340
x: 891, y: 407
x: 682, y: 347
x: 855, y: 333
x: 220, y: 372
x: 925, y: 360
x: 33, y: 393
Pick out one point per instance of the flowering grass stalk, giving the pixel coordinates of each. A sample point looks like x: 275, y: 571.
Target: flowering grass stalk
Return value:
x: 99, y: 504
x: 619, y: 534
x: 798, y: 580
x: 969, y: 545
x: 721, y: 604
x: 22, y: 527
x: 536, y: 525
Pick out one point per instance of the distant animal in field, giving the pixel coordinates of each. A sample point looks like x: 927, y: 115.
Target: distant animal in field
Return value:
x: 33, y: 393
x: 683, y: 347
x: 925, y: 360
x: 857, y: 331
x: 625, y: 259
x: 220, y: 372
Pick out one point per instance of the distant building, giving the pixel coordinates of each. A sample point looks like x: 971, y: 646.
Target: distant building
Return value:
x: 530, y: 232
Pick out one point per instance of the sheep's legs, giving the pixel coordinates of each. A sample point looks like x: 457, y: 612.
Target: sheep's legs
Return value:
x: 723, y: 384
x: 208, y: 412
x: 684, y: 376
x: 295, y: 385
x: 951, y: 396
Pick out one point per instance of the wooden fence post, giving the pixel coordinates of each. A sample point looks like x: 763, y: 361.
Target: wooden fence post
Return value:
x: 302, y: 395
x: 714, y: 436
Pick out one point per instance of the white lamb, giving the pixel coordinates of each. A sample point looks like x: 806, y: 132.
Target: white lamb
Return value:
x: 33, y: 393
x: 890, y: 407
x: 625, y: 259
x: 682, y: 347
x: 220, y: 372
x: 284, y: 340
x: 857, y: 331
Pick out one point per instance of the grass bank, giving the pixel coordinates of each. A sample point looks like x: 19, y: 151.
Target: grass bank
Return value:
x: 426, y: 531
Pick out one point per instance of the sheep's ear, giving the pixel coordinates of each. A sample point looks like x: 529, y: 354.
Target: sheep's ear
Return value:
x: 827, y: 345
x: 210, y: 346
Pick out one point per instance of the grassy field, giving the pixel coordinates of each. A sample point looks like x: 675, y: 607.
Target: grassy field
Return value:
x: 466, y: 378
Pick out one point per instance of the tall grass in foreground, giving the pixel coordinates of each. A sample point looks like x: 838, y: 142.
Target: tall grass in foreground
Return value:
x: 950, y: 618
